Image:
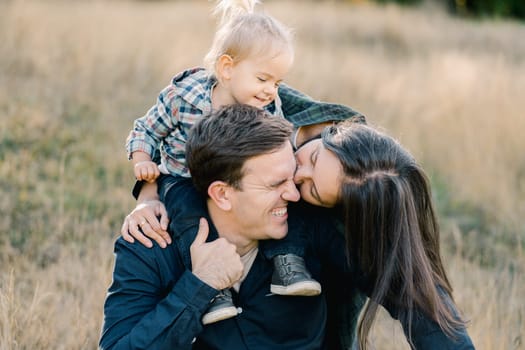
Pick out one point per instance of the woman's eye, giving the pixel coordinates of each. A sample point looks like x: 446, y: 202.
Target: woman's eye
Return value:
x: 261, y: 79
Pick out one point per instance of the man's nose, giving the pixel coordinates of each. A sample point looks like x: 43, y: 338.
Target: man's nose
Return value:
x: 291, y: 194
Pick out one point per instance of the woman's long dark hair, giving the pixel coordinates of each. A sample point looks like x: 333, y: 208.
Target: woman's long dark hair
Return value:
x: 391, y: 227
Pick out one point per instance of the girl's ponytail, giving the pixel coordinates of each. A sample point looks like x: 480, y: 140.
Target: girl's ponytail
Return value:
x: 230, y: 9
x: 243, y: 31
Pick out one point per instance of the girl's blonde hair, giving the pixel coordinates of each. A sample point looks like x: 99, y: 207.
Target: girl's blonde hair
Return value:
x: 243, y: 32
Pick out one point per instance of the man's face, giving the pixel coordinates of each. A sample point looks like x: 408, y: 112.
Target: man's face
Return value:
x: 260, y: 207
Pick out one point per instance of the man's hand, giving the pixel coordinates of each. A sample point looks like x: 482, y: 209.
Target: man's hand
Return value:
x: 215, y: 263
x: 146, y: 217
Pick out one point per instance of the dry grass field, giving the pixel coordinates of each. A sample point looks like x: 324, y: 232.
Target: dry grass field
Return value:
x: 75, y: 74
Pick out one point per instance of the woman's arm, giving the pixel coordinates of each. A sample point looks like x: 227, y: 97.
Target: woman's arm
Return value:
x: 423, y: 331
x: 307, y: 132
x: 426, y: 334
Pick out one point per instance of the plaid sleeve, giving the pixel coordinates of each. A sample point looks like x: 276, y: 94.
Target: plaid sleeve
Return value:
x: 149, y: 130
x: 301, y: 109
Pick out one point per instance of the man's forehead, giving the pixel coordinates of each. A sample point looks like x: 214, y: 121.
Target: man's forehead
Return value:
x: 254, y: 165
x: 271, y: 166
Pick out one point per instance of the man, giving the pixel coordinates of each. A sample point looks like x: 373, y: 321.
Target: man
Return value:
x: 242, y: 160
x: 158, y: 296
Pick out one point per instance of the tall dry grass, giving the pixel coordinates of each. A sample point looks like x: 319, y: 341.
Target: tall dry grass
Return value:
x: 74, y: 75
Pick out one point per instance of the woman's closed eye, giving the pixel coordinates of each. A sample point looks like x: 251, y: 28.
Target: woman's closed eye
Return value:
x: 313, y: 188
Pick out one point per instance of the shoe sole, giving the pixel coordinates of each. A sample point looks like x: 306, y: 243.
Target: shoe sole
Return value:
x: 307, y: 288
x: 219, y: 315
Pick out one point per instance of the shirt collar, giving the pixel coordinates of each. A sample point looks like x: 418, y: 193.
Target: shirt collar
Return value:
x: 194, y: 86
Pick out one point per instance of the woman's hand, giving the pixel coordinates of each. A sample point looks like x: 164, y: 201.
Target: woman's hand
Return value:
x: 144, y: 221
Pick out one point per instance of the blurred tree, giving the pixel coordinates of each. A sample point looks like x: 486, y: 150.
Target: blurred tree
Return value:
x: 402, y: 2
x: 489, y: 8
x: 476, y: 8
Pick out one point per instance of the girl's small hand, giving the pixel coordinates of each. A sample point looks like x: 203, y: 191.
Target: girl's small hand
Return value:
x: 150, y: 219
x: 146, y: 171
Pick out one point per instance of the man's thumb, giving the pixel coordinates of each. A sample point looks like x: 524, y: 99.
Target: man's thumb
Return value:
x: 202, y: 234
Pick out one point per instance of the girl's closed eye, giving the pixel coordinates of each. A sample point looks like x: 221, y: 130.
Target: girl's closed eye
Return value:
x: 262, y: 80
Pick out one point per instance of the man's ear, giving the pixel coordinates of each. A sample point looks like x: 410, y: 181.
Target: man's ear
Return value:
x: 219, y: 194
x: 224, y: 67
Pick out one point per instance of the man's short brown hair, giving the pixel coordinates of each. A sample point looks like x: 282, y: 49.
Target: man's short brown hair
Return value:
x: 220, y: 144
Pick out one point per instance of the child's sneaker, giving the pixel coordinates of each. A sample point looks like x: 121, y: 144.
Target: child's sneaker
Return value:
x: 221, y: 308
x: 290, y: 277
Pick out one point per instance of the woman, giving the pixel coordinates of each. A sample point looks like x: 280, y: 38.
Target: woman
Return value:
x: 391, y: 232
x: 391, y: 229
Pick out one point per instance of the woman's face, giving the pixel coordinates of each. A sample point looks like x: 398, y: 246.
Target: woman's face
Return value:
x: 319, y: 173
